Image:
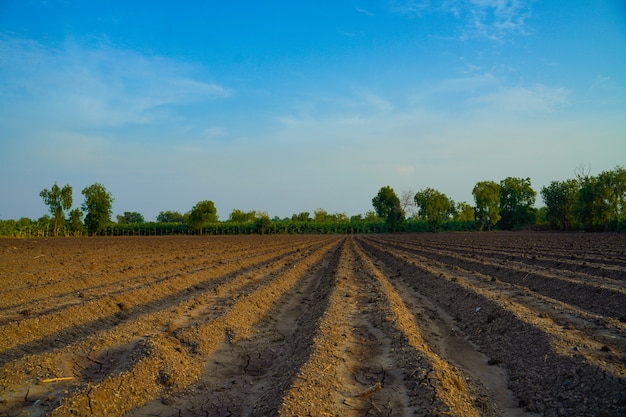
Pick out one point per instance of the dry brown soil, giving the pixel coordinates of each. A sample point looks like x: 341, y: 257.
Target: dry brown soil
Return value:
x: 450, y: 324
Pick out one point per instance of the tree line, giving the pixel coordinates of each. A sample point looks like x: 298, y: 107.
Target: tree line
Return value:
x: 592, y: 203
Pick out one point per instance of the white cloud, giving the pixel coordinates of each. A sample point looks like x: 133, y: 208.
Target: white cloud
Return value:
x: 468, y: 85
x: 495, y: 19
x: 535, y: 99
x: 369, y: 99
x: 411, y: 8
x: 97, y: 87
x: 364, y: 11
x: 490, y: 19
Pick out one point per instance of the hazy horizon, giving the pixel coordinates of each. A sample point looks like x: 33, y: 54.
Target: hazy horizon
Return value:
x: 289, y: 107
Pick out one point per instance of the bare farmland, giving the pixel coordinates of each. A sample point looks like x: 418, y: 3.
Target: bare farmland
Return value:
x: 463, y: 324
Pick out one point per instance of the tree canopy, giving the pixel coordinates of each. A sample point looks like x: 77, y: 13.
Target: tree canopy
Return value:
x: 202, y: 214
x: 170, y: 217
x: 487, y: 200
x: 130, y: 217
x: 464, y: 212
x: 58, y: 200
x: 388, y: 207
x: 303, y: 216
x: 98, y: 206
x: 517, y: 199
x: 594, y: 203
x: 433, y: 206
x: 601, y: 202
x: 560, y: 199
x: 239, y: 216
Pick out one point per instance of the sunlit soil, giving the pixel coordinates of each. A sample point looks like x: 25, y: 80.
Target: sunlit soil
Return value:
x: 460, y: 324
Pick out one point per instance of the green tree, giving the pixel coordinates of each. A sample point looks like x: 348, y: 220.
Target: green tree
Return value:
x: 320, y: 215
x: 98, y: 206
x: 341, y: 217
x: 239, y: 216
x: 464, y: 212
x: 601, y: 199
x: 487, y: 198
x: 42, y: 226
x: 516, y: 202
x: 130, y: 217
x: 614, y: 192
x: 590, y: 208
x: 202, y: 214
x: 433, y: 206
x: 24, y: 227
x: 263, y: 223
x: 304, y: 216
x: 560, y: 198
x: 170, y: 217
x: 387, y: 206
x: 371, y: 216
x: 75, y: 222
x: 58, y: 200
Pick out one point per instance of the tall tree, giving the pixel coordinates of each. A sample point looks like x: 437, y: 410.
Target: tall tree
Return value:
x: 304, y: 216
x: 387, y: 206
x: 75, y: 222
x: 434, y: 206
x: 320, y: 215
x: 464, y: 212
x: 614, y: 182
x: 560, y: 199
x: 202, y: 214
x: 262, y: 223
x: 516, y: 202
x: 341, y: 217
x: 487, y: 199
x: 602, y: 199
x: 98, y: 206
x: 239, y: 216
x: 371, y: 216
x: 58, y: 200
x: 407, y: 200
x: 130, y: 217
x: 170, y: 217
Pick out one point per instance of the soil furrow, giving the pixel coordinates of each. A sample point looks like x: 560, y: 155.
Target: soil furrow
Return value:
x: 429, y: 372
x: 588, y: 340
x: 40, y: 261
x: 158, y: 372
x: 33, y: 299
x: 321, y: 386
x: 537, y: 247
x: 369, y: 357
x: 252, y: 374
x: 485, y: 324
x: 581, y: 272
x: 121, y: 304
x: 96, y: 357
x: 523, y: 349
x: 586, y: 294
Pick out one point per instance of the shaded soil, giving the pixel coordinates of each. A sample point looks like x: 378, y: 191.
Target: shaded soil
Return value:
x: 459, y: 324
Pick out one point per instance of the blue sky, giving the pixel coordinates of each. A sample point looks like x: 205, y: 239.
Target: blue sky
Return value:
x: 290, y: 106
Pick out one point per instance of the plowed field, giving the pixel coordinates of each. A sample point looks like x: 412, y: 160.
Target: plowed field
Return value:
x: 463, y: 324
